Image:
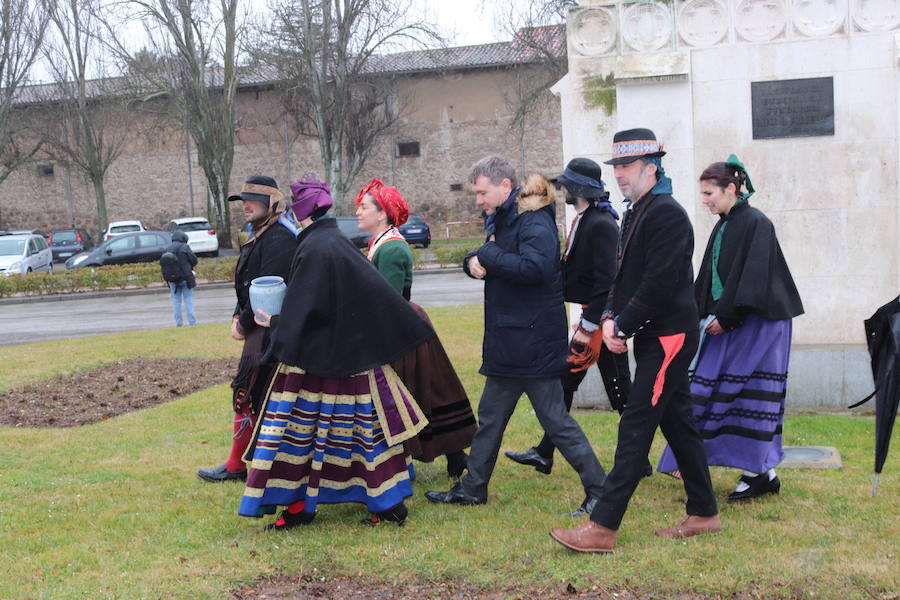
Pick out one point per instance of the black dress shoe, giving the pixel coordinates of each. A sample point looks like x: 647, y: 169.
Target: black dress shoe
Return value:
x: 220, y: 473
x: 585, y: 510
x: 759, y: 486
x: 456, y: 463
x: 531, y: 458
x: 454, y: 496
x: 288, y: 520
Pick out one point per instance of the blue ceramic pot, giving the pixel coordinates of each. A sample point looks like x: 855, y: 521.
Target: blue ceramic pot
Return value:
x: 267, y: 293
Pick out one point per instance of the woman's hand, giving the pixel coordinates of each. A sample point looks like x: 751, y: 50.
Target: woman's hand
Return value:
x: 714, y: 328
x: 236, y: 332
x: 262, y: 318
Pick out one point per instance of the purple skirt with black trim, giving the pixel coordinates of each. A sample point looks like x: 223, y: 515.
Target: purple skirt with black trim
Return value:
x: 321, y: 440
x: 738, y: 392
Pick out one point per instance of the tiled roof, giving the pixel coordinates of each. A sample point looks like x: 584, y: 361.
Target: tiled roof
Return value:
x: 523, y: 49
x: 530, y: 45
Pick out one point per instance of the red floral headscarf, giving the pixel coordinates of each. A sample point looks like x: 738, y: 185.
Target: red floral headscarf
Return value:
x: 389, y: 199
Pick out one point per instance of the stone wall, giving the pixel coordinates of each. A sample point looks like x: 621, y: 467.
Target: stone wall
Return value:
x: 457, y: 118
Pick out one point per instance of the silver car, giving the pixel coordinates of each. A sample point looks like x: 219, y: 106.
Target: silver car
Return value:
x: 24, y: 253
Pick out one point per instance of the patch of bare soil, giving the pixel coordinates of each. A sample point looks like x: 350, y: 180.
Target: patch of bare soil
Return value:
x: 122, y: 387
x: 346, y: 588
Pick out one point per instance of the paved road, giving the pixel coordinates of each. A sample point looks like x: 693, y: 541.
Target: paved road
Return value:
x: 80, y: 317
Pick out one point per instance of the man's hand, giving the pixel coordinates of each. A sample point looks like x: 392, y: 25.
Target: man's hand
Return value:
x: 475, y: 268
x: 236, y: 332
x: 615, y: 344
x: 714, y: 328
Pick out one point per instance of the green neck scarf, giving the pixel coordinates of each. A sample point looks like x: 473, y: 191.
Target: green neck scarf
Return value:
x: 716, y: 287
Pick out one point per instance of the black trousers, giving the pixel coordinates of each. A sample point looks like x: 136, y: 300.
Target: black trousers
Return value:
x: 616, y: 376
x: 660, y: 397
x: 498, y: 401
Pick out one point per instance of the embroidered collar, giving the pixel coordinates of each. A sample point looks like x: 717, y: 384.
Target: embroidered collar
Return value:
x: 387, y: 235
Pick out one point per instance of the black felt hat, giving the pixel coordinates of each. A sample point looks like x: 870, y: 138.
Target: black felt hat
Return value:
x: 632, y: 144
x: 258, y: 187
x: 582, y: 179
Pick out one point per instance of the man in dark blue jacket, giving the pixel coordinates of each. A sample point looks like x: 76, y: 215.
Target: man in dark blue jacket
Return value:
x: 652, y: 302
x: 588, y: 267
x: 524, y: 327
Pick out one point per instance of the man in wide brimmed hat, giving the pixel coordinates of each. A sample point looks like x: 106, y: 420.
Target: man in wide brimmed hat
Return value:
x: 652, y: 302
x: 268, y: 251
x: 588, y: 266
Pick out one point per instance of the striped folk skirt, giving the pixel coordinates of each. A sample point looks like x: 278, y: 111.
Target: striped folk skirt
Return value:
x: 738, y: 391
x: 326, y: 440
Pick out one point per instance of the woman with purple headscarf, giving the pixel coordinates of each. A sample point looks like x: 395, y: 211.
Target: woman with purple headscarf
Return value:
x: 336, y: 416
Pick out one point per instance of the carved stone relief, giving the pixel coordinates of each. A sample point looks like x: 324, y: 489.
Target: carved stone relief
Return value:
x: 760, y: 20
x: 817, y: 18
x: 647, y: 26
x: 876, y: 15
x: 594, y: 31
x: 607, y: 27
x: 702, y: 23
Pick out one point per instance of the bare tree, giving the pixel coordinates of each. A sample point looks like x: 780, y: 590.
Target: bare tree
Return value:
x: 539, y: 38
x: 85, y: 120
x: 22, y: 27
x: 190, y: 58
x: 324, y: 54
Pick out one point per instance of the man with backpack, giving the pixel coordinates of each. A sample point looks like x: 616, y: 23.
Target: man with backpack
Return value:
x: 177, y: 263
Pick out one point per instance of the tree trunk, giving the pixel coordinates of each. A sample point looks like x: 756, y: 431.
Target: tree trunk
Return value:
x: 224, y: 214
x: 334, y: 182
x: 100, y: 196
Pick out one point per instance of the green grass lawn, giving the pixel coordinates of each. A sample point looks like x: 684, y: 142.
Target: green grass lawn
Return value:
x: 115, y: 510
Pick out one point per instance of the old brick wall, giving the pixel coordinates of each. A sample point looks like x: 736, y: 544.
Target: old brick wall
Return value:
x: 456, y: 118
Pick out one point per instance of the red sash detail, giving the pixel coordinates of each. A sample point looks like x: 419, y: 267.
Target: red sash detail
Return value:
x: 671, y: 346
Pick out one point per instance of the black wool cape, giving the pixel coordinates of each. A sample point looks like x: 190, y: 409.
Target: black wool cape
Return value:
x: 340, y: 317
x: 754, y: 274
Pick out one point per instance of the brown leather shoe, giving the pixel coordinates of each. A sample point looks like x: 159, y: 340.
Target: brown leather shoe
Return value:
x: 587, y: 537
x: 692, y: 525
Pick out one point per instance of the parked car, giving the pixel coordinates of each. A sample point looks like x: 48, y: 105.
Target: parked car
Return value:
x: 349, y: 226
x: 24, y: 253
x: 416, y: 230
x: 142, y: 246
x: 201, y: 235
x: 39, y: 232
x: 119, y: 227
x: 69, y: 242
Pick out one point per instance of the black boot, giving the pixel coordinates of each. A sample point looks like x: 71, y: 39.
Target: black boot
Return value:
x: 759, y: 486
x: 456, y: 463
x: 396, y: 514
x: 288, y: 520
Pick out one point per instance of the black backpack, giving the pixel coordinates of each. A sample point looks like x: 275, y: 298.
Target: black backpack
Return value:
x: 171, y: 267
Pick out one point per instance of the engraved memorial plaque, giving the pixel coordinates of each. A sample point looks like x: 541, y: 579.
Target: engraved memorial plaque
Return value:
x: 792, y: 108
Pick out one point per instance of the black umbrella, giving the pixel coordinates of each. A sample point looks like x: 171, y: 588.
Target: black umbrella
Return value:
x: 883, y: 339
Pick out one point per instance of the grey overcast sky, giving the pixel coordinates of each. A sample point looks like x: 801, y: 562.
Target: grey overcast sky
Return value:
x: 467, y: 22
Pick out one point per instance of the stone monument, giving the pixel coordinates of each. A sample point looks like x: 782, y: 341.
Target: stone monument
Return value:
x: 805, y: 92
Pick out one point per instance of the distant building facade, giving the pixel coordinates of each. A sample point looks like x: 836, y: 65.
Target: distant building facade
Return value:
x: 461, y: 103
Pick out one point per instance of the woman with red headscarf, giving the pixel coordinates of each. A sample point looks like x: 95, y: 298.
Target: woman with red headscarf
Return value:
x: 426, y: 371
x: 380, y: 210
